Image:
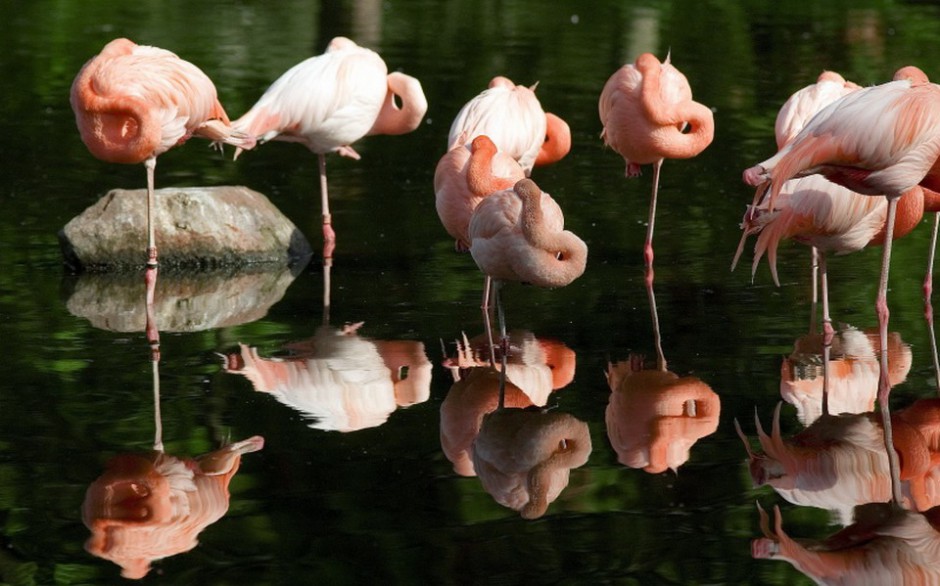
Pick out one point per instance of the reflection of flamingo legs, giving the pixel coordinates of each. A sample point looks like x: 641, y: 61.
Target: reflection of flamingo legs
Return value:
x: 884, y: 384
x: 493, y: 285
x: 657, y: 338
x: 928, y: 302
x: 153, y: 338
x: 327, y: 265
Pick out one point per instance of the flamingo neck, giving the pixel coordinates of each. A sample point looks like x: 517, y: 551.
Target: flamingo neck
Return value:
x: 480, y: 177
x: 393, y: 119
x: 567, y: 252
x: 557, y: 141
x: 700, y: 121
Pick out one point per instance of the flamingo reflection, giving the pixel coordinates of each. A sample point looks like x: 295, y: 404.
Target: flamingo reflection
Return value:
x: 654, y: 416
x: 344, y: 382
x: 535, y: 367
x: 153, y: 505
x: 853, y: 371
x: 885, y: 545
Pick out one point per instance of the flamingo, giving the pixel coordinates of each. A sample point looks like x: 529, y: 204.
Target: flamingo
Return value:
x: 880, y: 140
x: 514, y: 120
x: 518, y: 235
x: 464, y: 176
x: 645, y: 108
x: 332, y: 100
x: 133, y: 103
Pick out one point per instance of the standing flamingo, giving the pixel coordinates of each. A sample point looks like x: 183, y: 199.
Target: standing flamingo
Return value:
x: 513, y: 118
x: 463, y: 177
x: 133, y: 103
x: 877, y: 140
x: 518, y: 235
x: 645, y: 108
x: 330, y: 101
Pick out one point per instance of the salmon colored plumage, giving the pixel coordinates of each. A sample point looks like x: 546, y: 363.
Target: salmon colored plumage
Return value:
x: 133, y: 103
x: 645, y: 109
x: 330, y: 101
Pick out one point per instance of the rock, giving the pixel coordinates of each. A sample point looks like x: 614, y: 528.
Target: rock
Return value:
x: 184, y: 301
x: 196, y: 227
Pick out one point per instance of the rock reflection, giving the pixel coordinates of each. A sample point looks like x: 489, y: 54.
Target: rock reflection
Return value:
x: 146, y: 507
x: 523, y: 457
x: 344, y: 382
x: 183, y: 301
x: 654, y: 417
x: 885, y: 545
x: 854, y: 369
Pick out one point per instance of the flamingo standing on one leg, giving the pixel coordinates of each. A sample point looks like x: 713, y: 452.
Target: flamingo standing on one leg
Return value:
x: 881, y: 140
x: 466, y: 175
x: 133, y: 103
x: 518, y: 235
x: 645, y: 108
x: 330, y: 101
x: 514, y: 120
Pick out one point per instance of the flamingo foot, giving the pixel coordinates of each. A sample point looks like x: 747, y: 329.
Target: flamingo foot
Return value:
x: 755, y: 175
x: 648, y: 256
x: 633, y: 170
x: 152, y: 256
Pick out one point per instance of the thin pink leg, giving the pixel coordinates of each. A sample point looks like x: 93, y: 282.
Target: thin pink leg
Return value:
x: 329, y: 236
x: 815, y: 289
x: 654, y: 316
x: 150, y: 164
x: 487, y: 323
x: 828, y: 331
x: 648, y: 246
x: 153, y: 338
x: 884, y: 384
x: 928, y: 301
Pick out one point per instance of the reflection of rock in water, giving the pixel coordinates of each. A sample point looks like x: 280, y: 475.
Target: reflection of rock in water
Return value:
x: 151, y: 506
x: 343, y: 381
x: 183, y: 301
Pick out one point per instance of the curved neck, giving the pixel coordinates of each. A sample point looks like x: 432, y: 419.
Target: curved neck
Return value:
x: 480, y: 177
x: 567, y: 252
x: 393, y: 119
x: 700, y: 121
x: 557, y: 141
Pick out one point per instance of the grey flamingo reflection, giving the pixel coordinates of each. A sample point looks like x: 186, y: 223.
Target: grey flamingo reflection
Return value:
x: 492, y: 425
x: 153, y: 505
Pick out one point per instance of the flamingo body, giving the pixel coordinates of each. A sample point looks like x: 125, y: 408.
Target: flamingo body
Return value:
x: 517, y: 235
x: 514, y: 120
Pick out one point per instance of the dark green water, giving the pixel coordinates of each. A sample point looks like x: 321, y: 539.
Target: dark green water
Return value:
x: 383, y: 503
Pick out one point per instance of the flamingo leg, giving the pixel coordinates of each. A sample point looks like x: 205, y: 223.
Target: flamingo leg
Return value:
x: 487, y: 323
x: 884, y: 384
x: 928, y: 301
x: 815, y: 289
x: 153, y: 337
x: 329, y: 236
x: 828, y: 331
x: 151, y: 164
x: 648, y: 246
x: 654, y: 315
x: 503, y: 343
x: 327, y: 265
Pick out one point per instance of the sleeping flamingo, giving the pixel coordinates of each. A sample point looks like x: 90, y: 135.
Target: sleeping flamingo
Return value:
x: 645, y: 108
x: 879, y: 140
x: 133, y: 103
x: 513, y: 118
x: 332, y: 100
x: 518, y: 235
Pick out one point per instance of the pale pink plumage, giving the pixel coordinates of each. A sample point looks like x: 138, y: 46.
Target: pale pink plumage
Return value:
x: 514, y: 120
x: 330, y: 101
x: 132, y: 103
x: 879, y: 140
x: 645, y: 108
x: 464, y: 176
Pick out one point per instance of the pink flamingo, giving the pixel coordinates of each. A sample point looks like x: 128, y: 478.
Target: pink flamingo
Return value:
x: 518, y: 235
x: 330, y: 101
x: 645, y: 108
x: 879, y: 140
x: 133, y: 103
x: 513, y: 118
x: 463, y: 177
